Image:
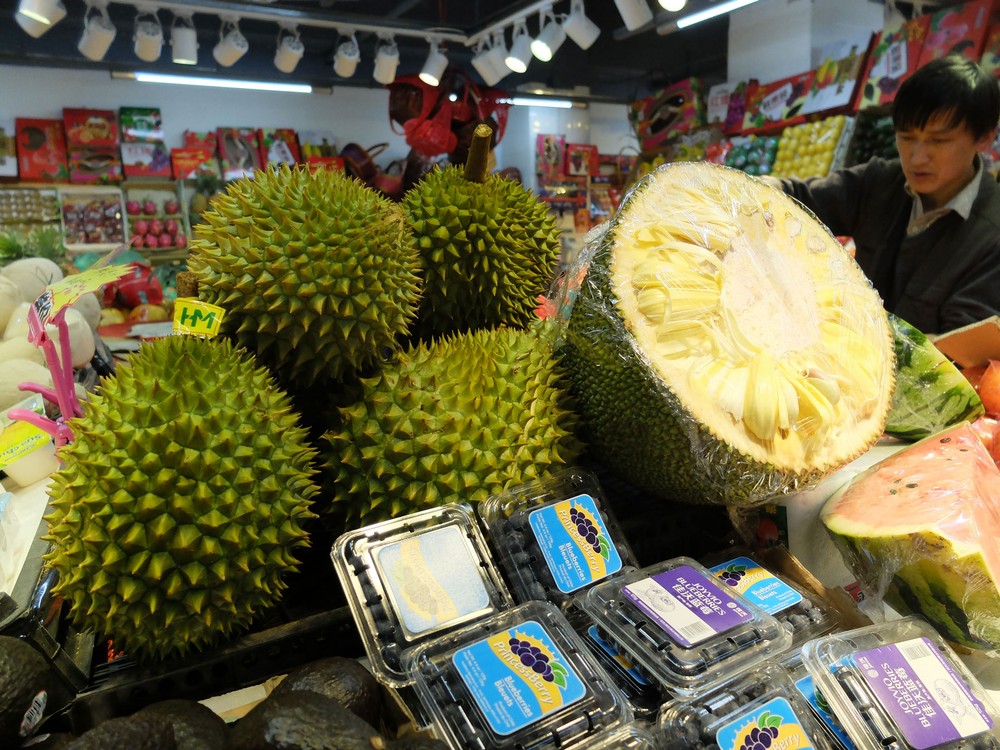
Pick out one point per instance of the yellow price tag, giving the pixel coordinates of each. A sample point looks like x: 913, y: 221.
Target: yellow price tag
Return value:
x: 67, y: 291
x: 197, y: 318
x: 18, y: 439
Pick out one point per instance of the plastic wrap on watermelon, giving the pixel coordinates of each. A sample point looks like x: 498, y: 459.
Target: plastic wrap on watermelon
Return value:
x: 920, y: 529
x: 721, y: 344
x: 931, y: 393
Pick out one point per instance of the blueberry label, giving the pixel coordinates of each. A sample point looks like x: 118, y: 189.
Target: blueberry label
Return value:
x: 575, y: 542
x: 517, y: 677
x: 817, y: 702
x: 922, y: 693
x: 623, y: 659
x: 746, y: 577
x: 772, y: 725
x: 433, y: 579
x: 688, y: 606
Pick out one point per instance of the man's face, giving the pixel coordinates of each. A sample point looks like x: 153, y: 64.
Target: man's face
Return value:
x: 938, y: 159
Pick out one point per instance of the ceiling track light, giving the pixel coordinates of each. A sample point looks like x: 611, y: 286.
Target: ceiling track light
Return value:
x: 183, y: 40
x: 579, y: 27
x: 98, y: 32
x: 31, y: 21
x: 550, y: 37
x: 386, y: 60
x: 635, y: 13
x: 498, y: 57
x: 289, y: 49
x: 148, y: 36
x: 232, y: 45
x: 481, y: 63
x: 434, y: 66
x: 348, y: 55
x: 672, y: 6
x: 520, y: 48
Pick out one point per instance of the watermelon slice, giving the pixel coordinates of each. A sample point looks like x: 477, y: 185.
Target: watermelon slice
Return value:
x: 921, y: 528
x: 931, y: 393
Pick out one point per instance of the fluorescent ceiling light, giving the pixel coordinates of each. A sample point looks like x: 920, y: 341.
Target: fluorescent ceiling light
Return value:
x: 224, y: 83
x: 718, y: 10
x: 522, y: 101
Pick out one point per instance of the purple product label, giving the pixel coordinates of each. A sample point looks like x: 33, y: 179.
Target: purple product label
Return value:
x: 922, y: 693
x: 687, y: 605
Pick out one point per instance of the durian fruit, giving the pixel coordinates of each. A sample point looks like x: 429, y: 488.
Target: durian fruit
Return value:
x: 723, y: 346
x: 453, y: 421
x: 318, y: 273
x: 181, y: 500
x: 489, y: 247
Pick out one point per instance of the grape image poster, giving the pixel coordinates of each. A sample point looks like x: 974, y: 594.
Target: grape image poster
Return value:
x: 772, y: 726
x: 517, y: 677
x: 575, y: 543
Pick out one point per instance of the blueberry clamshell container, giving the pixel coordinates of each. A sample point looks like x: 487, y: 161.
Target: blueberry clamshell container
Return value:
x: 555, y: 536
x: 681, y: 627
x: 799, y: 611
x: 759, y: 709
x: 521, y: 679
x: 806, y: 685
x: 635, y: 736
x: 897, y: 685
x: 413, y: 578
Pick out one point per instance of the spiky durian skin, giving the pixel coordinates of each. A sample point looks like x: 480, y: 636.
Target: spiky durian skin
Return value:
x: 453, y: 421
x: 318, y: 273
x: 489, y: 249
x: 181, y: 498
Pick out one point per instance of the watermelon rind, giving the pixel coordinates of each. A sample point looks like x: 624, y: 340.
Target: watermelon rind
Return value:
x: 931, y: 393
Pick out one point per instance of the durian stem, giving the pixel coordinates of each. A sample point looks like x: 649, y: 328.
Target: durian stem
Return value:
x: 477, y: 165
x: 187, y: 284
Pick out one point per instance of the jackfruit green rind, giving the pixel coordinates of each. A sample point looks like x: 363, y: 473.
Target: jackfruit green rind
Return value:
x: 489, y: 249
x: 453, y: 421
x: 318, y: 273
x: 180, y: 503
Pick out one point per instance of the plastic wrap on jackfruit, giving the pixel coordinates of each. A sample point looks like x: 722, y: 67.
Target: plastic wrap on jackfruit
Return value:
x: 722, y: 345
x: 919, y: 529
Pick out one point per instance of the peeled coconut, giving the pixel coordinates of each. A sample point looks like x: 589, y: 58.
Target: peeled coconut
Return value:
x: 32, y: 275
x: 81, y: 337
x: 15, y: 372
x: 10, y: 298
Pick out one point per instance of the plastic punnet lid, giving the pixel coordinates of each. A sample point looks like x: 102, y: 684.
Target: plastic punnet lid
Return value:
x: 409, y: 579
x: 635, y: 736
x: 799, y: 611
x: 806, y: 685
x: 760, y: 708
x: 520, y: 679
x: 644, y: 695
x: 898, y: 685
x: 554, y: 537
x: 682, y: 627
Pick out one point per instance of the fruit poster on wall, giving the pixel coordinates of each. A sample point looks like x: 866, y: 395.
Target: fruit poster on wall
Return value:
x: 960, y: 29
x: 550, y: 154
x: 778, y: 103
x: 581, y: 159
x: 8, y: 149
x: 41, y: 150
x: 893, y: 59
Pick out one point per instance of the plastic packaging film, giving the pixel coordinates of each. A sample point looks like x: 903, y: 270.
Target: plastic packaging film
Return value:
x: 722, y: 346
x: 919, y: 530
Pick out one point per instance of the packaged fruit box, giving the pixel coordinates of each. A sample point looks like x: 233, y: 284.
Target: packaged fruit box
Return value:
x: 92, y: 218
x: 813, y: 149
x: 155, y: 217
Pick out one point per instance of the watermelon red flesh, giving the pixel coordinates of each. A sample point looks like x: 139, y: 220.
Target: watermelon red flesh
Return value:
x: 922, y: 526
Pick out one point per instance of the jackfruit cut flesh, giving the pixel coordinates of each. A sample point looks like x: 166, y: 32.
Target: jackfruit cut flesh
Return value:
x: 755, y: 332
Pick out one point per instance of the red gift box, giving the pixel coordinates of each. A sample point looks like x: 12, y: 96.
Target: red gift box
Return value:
x: 41, y: 150
x: 201, y: 139
x: 893, y: 60
x: 961, y: 28
x: 239, y: 152
x: 332, y: 163
x: 990, y: 61
x: 146, y: 160
x: 189, y: 162
x: 777, y: 104
x: 668, y: 113
x: 278, y: 146
x: 581, y: 159
x: 90, y: 127
x: 100, y: 165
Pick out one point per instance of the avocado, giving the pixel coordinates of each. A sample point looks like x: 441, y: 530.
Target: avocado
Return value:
x: 24, y: 686
x: 345, y: 680
x: 303, y: 720
x: 147, y: 732
x: 196, y: 727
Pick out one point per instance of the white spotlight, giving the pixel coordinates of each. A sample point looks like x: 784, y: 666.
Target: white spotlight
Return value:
x: 42, y: 11
x: 386, y: 61
x: 672, y: 6
x: 434, y: 66
x: 578, y: 27
x: 520, y: 49
x: 498, y: 57
x: 345, y: 62
x: 481, y: 62
x: 549, y: 39
x: 232, y: 44
x: 35, y: 28
x: 635, y: 13
x: 98, y: 33
x: 289, y: 51
x: 184, y: 41
x: 148, y: 36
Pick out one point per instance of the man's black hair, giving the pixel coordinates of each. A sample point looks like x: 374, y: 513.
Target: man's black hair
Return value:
x: 954, y: 87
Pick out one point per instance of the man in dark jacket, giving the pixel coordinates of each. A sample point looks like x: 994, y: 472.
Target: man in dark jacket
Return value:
x: 926, y: 225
